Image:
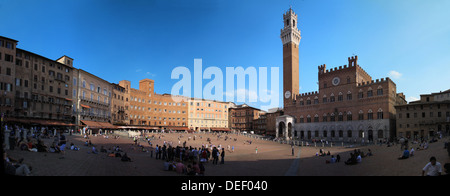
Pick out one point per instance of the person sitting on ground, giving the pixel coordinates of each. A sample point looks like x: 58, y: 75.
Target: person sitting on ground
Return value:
x: 405, y: 154
x: 111, y: 154
x: 166, y: 165
x: 125, y: 158
x: 13, y: 167
x: 190, y: 171
x: 55, y: 148
x: 180, y: 168
x: 196, y: 167
x: 362, y: 155
x: 73, y: 147
x: 23, y: 146
x: 411, y: 153
x: 102, y: 149
x: 202, y: 169
x: 94, y: 151
x: 352, y: 160
x: 333, y: 160
x: 41, y: 147
x: 369, y: 153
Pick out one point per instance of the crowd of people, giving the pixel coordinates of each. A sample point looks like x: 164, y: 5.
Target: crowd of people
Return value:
x: 32, y: 140
x: 177, y: 157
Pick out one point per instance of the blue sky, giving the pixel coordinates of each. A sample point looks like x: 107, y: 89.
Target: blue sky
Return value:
x: 407, y: 40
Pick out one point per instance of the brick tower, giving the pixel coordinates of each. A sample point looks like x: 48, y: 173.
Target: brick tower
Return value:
x: 290, y: 37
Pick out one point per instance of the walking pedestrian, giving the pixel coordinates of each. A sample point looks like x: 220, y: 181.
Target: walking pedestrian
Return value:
x: 223, y: 156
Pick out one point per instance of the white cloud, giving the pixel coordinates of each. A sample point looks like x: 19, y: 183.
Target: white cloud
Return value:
x: 395, y: 74
x: 409, y: 99
x: 151, y: 74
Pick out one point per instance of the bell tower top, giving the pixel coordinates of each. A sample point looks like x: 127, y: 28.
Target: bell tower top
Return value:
x: 290, y: 32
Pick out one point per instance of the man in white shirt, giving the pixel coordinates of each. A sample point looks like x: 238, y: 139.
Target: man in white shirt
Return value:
x: 433, y: 168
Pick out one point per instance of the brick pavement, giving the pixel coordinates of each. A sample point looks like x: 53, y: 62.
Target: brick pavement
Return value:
x: 273, y: 159
x: 243, y: 162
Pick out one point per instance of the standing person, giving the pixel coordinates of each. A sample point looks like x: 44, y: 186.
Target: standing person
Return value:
x: 160, y: 152
x: 292, y: 146
x: 256, y: 150
x: 151, y: 152
x: 156, y: 151
x: 164, y: 151
x: 215, y: 156
x: 338, y: 158
x: 433, y: 168
x: 223, y: 156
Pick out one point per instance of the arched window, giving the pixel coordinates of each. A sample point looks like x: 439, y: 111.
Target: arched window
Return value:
x: 361, y: 115
x: 370, y: 92
x: 380, y: 90
x: 370, y: 115
x: 380, y: 114
x: 349, y: 95
x: 349, y: 116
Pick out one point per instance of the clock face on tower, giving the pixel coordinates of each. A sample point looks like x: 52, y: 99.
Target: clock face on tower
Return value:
x: 287, y: 94
x: 336, y: 81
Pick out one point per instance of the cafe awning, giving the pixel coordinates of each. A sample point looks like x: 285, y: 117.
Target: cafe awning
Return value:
x: 98, y: 125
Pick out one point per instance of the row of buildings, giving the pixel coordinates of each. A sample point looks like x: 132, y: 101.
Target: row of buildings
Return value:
x: 36, y: 90
x: 349, y: 103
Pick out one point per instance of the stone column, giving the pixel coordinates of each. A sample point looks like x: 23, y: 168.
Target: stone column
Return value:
x: 276, y: 131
